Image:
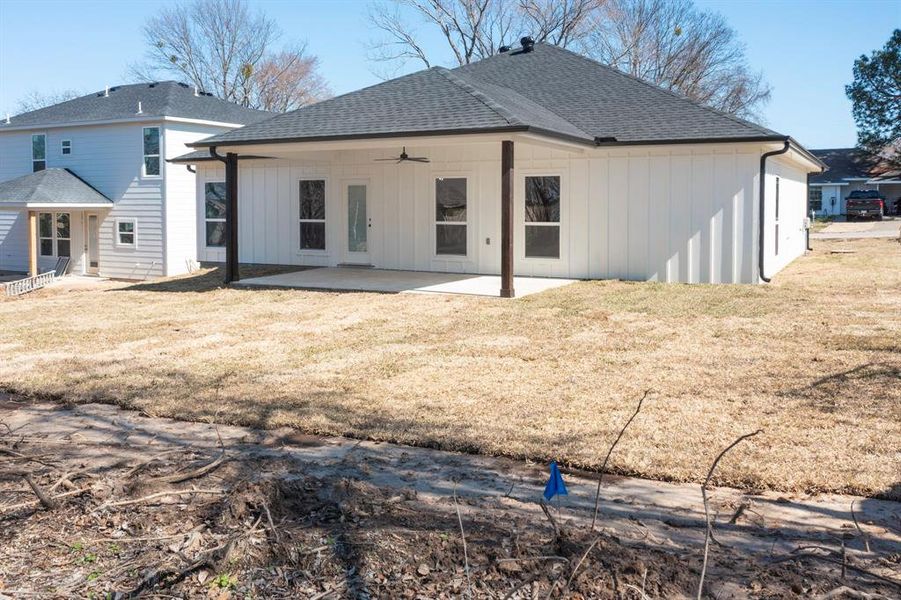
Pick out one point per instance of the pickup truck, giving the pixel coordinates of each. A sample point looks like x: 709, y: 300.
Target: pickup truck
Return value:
x: 865, y: 203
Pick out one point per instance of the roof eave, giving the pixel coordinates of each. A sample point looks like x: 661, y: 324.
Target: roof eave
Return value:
x: 20, y: 205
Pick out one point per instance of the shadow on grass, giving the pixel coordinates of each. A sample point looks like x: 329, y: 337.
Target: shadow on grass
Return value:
x: 208, y: 280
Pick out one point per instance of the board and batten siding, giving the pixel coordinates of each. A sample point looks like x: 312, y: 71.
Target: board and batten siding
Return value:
x: 680, y: 213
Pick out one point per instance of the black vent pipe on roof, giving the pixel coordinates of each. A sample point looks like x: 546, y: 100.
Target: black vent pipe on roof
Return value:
x: 527, y: 44
x: 503, y: 49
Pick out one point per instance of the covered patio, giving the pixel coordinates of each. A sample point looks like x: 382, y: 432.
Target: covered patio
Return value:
x: 353, y: 279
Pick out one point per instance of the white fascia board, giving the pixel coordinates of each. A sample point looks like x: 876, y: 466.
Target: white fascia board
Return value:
x: 829, y: 183
x: 47, y: 205
x: 145, y: 119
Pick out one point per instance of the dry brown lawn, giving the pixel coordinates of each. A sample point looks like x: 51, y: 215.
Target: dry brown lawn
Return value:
x: 814, y: 359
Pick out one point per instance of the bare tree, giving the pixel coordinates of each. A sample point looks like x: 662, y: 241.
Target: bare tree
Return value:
x: 224, y: 48
x: 34, y: 99
x: 667, y: 42
x: 678, y: 47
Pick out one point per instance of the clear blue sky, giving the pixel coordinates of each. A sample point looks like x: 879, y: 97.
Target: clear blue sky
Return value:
x: 805, y: 49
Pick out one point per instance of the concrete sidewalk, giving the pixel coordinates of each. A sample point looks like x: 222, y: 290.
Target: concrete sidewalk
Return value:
x: 888, y: 228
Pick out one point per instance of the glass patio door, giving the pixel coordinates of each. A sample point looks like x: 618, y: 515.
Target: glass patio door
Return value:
x: 358, y: 224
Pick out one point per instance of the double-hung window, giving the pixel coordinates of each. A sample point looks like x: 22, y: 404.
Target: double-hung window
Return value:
x: 312, y: 214
x: 214, y: 214
x: 815, y: 199
x: 776, y: 252
x: 542, y: 216
x: 450, y: 216
x: 126, y: 232
x: 38, y: 152
x: 54, y: 234
x: 66, y: 146
x: 151, y: 151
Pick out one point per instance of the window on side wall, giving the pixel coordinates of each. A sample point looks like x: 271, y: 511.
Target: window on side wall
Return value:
x: 542, y: 217
x: 214, y: 214
x: 151, y: 165
x: 38, y: 152
x: 312, y: 214
x: 127, y: 233
x: 776, y: 252
x: 815, y: 199
x: 450, y: 216
x: 66, y: 146
x: 54, y: 234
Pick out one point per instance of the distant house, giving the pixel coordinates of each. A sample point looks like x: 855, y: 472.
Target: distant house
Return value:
x: 848, y: 170
x: 88, y: 179
x: 534, y: 162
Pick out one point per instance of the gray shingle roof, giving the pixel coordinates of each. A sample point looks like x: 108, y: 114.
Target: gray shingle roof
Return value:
x: 843, y: 163
x: 549, y: 90
x: 50, y: 186
x: 163, y: 99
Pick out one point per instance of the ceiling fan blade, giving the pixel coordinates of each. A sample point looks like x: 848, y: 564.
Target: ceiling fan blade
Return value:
x: 421, y: 159
x: 381, y: 159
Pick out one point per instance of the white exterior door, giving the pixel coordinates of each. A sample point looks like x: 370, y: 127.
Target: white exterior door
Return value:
x: 359, y: 223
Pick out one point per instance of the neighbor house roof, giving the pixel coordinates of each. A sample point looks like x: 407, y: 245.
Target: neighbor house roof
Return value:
x: 162, y: 99
x: 50, y: 187
x: 548, y: 90
x: 843, y: 164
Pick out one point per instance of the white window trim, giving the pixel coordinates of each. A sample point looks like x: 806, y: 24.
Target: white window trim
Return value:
x: 776, y: 220
x: 212, y: 219
x: 33, y: 159
x: 312, y: 251
x: 54, y: 237
x: 145, y: 156
x: 63, y: 147
x: 134, y: 225
x: 523, y: 223
x: 435, y: 222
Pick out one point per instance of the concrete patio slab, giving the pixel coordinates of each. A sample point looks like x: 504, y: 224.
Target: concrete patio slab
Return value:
x: 415, y: 282
x: 887, y: 228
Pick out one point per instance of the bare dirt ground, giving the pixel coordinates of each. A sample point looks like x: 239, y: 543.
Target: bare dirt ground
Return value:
x: 813, y: 359
x: 140, y: 506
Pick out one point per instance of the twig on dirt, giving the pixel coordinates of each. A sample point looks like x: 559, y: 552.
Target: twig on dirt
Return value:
x: 866, y: 538
x: 463, y: 536
x: 709, y: 532
x: 640, y: 592
x: 30, y: 503
x: 576, y: 568
x: 46, y: 501
x: 845, y: 591
x: 558, y: 532
x: 199, y: 472
x: 529, y: 558
x: 844, y: 561
x: 160, y: 495
x: 597, y: 496
x: 836, y: 561
x: 271, y: 524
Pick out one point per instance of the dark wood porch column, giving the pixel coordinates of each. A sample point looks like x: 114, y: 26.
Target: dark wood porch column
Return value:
x: 507, y: 219
x: 232, y: 270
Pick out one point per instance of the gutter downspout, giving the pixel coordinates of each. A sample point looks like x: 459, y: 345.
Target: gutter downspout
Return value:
x: 762, y: 208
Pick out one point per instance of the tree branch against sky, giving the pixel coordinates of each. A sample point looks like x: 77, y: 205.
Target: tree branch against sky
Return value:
x: 876, y: 97
x: 34, y: 99
x: 223, y: 48
x: 670, y: 43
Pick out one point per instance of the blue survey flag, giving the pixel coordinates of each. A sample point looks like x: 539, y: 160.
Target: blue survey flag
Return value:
x: 555, y: 485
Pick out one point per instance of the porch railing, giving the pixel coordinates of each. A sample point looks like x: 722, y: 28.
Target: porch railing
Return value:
x: 29, y: 284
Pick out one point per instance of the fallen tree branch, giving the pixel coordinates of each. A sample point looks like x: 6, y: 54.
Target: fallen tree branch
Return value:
x: 709, y: 532
x: 199, y: 472
x: 866, y: 538
x: 597, y: 496
x: 160, y: 495
x: 30, y: 503
x: 46, y: 501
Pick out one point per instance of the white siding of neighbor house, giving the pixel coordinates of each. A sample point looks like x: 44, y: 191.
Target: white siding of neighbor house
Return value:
x: 110, y: 158
x: 681, y: 213
x: 180, y: 200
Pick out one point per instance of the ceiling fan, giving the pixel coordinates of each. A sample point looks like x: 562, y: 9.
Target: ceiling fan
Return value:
x: 404, y: 156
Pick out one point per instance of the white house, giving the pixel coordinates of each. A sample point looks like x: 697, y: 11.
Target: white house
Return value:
x: 88, y: 179
x: 849, y: 170
x: 535, y: 161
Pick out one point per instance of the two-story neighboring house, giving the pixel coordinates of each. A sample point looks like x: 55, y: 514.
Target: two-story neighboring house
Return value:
x: 88, y: 179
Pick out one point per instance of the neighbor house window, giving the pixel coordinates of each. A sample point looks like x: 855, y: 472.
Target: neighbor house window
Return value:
x: 214, y: 214
x: 54, y: 234
x: 542, y: 217
x: 38, y: 152
x: 815, y: 199
x: 312, y: 214
x: 126, y: 232
x: 66, y: 146
x: 450, y: 216
x: 151, y: 151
